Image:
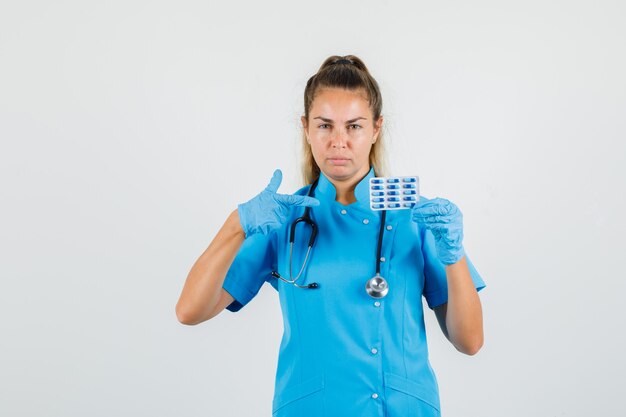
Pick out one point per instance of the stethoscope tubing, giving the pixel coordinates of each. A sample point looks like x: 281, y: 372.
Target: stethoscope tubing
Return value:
x: 376, y: 287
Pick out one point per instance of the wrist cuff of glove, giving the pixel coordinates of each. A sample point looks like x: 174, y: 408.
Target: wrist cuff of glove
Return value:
x: 454, y: 257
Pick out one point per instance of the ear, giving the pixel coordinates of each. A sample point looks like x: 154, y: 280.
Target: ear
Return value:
x: 305, y: 127
x: 377, y: 126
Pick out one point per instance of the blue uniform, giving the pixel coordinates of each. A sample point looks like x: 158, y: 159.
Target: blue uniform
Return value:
x: 344, y: 353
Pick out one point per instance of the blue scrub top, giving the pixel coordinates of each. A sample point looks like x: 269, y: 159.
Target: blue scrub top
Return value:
x: 344, y: 353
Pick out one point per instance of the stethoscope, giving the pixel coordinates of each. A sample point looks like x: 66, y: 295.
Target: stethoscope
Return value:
x: 376, y: 287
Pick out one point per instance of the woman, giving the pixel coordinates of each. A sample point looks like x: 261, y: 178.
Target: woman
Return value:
x: 343, y: 352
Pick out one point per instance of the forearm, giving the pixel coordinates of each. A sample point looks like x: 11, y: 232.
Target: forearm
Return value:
x: 204, y: 282
x: 464, y: 319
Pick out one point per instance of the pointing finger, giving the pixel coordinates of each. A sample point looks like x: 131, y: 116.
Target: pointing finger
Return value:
x: 275, y: 181
x: 298, y: 200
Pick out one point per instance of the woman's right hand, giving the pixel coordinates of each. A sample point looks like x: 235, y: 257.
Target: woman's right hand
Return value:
x: 269, y: 210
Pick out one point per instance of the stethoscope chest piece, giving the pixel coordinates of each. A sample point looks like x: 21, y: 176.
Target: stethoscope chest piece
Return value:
x: 377, y: 287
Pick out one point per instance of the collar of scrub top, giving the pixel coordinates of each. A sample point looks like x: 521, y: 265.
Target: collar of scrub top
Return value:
x: 361, y: 205
x: 361, y: 193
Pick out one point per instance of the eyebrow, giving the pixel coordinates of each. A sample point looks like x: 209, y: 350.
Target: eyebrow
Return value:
x: 330, y: 120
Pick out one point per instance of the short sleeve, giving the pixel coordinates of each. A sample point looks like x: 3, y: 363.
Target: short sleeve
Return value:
x: 251, y: 267
x: 435, y: 280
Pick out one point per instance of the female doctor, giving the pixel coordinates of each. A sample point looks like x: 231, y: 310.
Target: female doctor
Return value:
x: 352, y: 345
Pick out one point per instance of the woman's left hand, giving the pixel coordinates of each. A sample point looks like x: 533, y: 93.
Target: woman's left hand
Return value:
x: 444, y: 219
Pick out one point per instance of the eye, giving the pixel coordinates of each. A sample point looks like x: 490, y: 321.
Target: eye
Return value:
x: 323, y: 126
x: 354, y: 126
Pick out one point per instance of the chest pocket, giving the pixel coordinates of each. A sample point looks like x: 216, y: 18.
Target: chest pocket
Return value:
x: 302, y: 400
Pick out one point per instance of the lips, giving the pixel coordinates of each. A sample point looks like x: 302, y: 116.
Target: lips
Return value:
x: 338, y: 160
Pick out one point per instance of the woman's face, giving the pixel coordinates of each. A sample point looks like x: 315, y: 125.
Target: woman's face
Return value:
x: 341, y: 132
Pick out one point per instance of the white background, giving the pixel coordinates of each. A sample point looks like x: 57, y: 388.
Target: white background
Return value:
x: 130, y: 129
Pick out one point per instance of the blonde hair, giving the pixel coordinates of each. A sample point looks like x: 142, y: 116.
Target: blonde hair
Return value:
x: 350, y: 73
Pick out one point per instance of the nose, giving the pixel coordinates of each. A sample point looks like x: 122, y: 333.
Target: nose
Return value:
x: 339, y: 140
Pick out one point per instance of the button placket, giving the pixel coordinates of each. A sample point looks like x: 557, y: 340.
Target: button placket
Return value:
x: 365, y: 218
x: 387, y: 247
x: 376, y: 345
x: 373, y: 348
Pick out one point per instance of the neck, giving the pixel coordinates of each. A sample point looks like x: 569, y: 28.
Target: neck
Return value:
x: 344, y: 189
x: 345, y: 193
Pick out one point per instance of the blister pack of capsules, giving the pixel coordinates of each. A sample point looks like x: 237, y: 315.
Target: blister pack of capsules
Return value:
x: 394, y: 193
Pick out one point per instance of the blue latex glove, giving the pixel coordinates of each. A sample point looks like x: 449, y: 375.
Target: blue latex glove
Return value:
x: 445, y: 221
x: 269, y: 210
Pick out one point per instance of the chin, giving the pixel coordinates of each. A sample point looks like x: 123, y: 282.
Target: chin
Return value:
x: 339, y: 172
